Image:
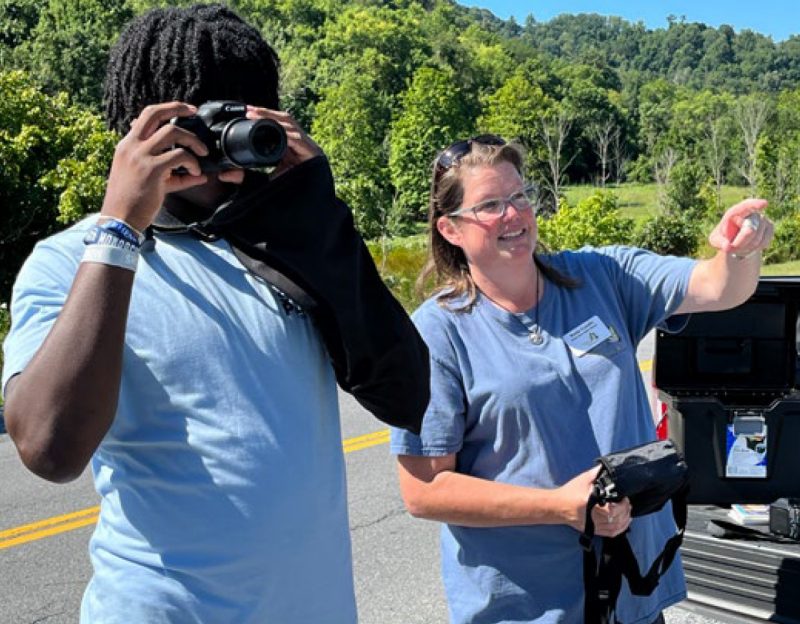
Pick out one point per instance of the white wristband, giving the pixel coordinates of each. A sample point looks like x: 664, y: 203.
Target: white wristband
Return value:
x: 111, y: 255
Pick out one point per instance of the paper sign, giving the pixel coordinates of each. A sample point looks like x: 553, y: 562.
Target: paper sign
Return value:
x: 747, y: 454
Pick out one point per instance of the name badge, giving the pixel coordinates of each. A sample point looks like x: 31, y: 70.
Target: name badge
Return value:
x: 587, y: 336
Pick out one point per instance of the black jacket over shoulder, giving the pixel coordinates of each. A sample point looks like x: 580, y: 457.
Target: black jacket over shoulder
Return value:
x: 294, y: 232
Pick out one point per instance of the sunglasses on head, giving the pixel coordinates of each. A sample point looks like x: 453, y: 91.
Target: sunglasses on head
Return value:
x: 459, y: 149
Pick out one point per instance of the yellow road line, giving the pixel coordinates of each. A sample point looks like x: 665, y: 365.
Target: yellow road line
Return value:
x: 366, y: 440
x: 56, y: 530
x: 50, y: 526
x: 85, y: 517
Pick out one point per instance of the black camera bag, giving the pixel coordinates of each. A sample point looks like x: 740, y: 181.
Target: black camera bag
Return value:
x: 649, y: 475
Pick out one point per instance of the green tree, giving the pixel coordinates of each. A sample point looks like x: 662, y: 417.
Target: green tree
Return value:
x: 295, y: 29
x: 685, y: 53
x: 515, y: 111
x: 350, y: 125
x: 70, y: 43
x: 588, y: 95
x: 752, y: 112
x: 18, y: 18
x: 656, y: 114
x: 719, y: 140
x: 485, y: 63
x: 433, y: 115
x: 778, y: 156
x: 392, y: 38
x: 54, y: 157
x: 683, y: 192
x: 779, y: 173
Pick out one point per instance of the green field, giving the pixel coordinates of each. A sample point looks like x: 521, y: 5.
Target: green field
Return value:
x: 785, y: 268
x: 640, y: 201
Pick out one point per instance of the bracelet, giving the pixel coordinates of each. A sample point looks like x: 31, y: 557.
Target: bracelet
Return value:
x: 98, y: 235
x: 741, y: 257
x: 112, y: 255
x: 112, y: 224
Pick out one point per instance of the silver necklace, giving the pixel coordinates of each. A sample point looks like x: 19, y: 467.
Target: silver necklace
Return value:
x: 536, y: 334
x: 534, y: 331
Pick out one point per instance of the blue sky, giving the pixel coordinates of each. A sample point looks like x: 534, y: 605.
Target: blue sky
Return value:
x: 778, y: 18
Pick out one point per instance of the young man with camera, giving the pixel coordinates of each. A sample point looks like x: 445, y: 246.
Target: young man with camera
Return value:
x: 187, y: 343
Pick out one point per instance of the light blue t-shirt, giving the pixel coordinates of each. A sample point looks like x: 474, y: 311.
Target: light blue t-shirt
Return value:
x: 538, y: 415
x: 222, y: 477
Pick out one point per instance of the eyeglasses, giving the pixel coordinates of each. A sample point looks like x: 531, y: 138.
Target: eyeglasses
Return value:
x: 451, y: 155
x: 492, y: 209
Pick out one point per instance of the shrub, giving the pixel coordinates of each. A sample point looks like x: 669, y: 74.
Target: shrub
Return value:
x: 685, y: 189
x: 640, y: 170
x: 786, y: 244
x: 400, y: 261
x: 669, y: 233
x: 595, y: 220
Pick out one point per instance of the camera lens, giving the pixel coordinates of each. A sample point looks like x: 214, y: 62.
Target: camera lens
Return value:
x: 266, y: 140
x: 249, y: 143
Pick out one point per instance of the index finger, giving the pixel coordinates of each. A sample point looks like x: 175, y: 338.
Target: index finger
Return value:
x: 746, y: 207
x: 154, y: 116
x: 262, y: 112
x: 731, y: 221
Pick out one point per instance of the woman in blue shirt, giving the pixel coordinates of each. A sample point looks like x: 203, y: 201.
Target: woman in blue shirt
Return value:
x: 534, y: 376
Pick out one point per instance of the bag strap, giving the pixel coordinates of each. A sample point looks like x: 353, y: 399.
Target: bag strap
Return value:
x: 598, y: 584
x: 620, y: 549
x: 603, y: 581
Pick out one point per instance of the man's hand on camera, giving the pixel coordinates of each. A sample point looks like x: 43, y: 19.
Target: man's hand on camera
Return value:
x: 300, y: 147
x: 145, y: 160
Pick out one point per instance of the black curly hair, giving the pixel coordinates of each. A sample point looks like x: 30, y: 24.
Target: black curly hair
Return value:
x: 192, y: 54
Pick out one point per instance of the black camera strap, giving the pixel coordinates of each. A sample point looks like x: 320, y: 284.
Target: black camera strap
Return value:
x: 294, y: 232
x: 213, y: 228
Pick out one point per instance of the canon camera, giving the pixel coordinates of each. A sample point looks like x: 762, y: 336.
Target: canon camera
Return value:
x: 233, y: 141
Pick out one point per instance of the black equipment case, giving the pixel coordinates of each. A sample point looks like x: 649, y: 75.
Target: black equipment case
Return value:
x: 731, y: 384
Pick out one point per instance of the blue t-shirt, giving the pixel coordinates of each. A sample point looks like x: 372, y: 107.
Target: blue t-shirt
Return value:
x: 222, y: 478
x: 538, y: 415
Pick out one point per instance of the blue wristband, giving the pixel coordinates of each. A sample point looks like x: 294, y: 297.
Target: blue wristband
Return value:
x: 123, y: 229
x: 99, y: 235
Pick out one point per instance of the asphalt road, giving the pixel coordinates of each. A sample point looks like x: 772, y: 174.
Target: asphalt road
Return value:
x: 45, y: 528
